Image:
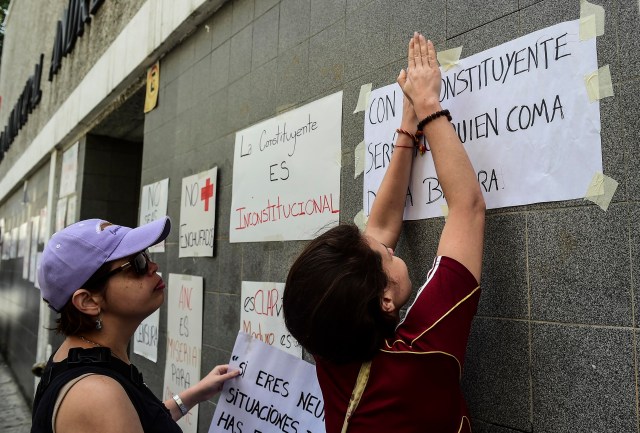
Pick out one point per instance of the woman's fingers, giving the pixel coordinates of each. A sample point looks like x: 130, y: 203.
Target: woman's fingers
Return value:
x: 411, y: 61
x: 417, y: 55
x: 431, y: 55
x: 402, y: 78
x: 424, y: 53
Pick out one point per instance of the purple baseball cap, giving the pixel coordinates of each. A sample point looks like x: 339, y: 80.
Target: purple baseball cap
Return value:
x: 75, y: 253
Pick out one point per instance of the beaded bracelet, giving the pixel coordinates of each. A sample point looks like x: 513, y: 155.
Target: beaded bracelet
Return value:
x: 415, y: 138
x: 433, y: 116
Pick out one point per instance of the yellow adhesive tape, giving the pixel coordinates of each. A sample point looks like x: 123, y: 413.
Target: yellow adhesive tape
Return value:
x: 596, y: 187
x: 449, y: 58
x: 445, y: 211
x: 363, y: 98
x: 360, y: 220
x: 589, y: 9
x: 599, y: 84
x: 609, y: 187
x: 359, y: 159
x: 588, y: 27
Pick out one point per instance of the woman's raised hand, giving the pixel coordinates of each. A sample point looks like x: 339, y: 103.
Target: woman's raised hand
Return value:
x: 422, y: 81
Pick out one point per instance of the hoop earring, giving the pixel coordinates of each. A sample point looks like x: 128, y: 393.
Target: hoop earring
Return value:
x: 99, y: 322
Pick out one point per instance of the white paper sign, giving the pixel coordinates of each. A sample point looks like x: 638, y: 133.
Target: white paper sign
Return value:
x: 6, y: 245
x: 71, y: 210
x: 3, y: 245
x: 24, y: 249
x: 35, y: 228
x: 286, y: 174
x: 15, y: 234
x: 69, y: 171
x: 22, y: 239
x: 43, y: 233
x: 523, y: 113
x: 198, y: 214
x: 275, y: 392
x: 36, y: 283
x: 61, y: 213
x: 153, y: 205
x: 184, y: 341
x: 145, y: 339
x: 261, y: 316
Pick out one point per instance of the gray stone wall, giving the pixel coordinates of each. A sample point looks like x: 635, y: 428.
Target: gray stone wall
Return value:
x: 553, y: 347
x: 19, y: 299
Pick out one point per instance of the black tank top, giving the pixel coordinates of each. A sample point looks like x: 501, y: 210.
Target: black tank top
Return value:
x: 153, y: 414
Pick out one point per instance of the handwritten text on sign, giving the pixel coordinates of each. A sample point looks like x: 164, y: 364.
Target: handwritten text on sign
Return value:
x: 286, y: 174
x: 69, y: 172
x: 275, y: 392
x: 145, y: 339
x: 184, y: 340
x: 261, y: 316
x: 198, y: 214
x: 153, y: 205
x: 523, y: 113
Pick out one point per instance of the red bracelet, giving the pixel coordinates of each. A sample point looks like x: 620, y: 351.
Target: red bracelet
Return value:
x: 415, y: 138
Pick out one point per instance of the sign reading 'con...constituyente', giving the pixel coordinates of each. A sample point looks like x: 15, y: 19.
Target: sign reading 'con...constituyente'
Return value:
x: 68, y: 29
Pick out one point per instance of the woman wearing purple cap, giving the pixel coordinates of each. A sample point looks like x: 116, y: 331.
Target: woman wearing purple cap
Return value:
x: 98, y: 276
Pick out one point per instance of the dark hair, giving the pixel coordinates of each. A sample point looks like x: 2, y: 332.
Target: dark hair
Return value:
x: 71, y: 320
x: 332, y: 297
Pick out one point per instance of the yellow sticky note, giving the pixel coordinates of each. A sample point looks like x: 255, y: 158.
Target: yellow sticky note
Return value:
x: 449, y: 58
x: 153, y: 84
x: 359, y: 155
x: 588, y: 9
x: 363, y: 98
x: 599, y: 84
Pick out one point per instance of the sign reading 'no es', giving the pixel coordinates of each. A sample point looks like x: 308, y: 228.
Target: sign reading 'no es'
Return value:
x: 198, y: 214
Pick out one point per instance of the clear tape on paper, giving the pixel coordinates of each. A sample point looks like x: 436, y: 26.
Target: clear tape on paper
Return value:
x: 601, y: 190
x: 599, y: 84
x: 360, y: 220
x: 359, y: 155
x: 591, y: 20
x: 363, y: 99
x: 449, y: 58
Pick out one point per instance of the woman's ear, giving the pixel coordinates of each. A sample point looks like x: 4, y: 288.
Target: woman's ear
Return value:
x: 85, y: 302
x: 387, y: 302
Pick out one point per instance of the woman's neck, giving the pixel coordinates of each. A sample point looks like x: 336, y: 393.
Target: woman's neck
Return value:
x: 93, y: 339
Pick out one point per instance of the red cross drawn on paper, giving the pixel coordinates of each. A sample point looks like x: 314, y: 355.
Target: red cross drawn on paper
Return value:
x: 206, y: 192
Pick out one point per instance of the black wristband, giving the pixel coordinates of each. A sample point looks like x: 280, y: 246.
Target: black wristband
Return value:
x: 433, y: 116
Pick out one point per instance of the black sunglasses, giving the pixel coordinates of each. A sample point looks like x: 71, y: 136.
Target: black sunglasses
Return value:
x: 139, y: 263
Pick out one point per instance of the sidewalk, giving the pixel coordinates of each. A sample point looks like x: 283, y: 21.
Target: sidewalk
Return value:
x: 15, y: 415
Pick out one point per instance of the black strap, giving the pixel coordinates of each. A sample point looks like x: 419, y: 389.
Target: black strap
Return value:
x: 93, y: 357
